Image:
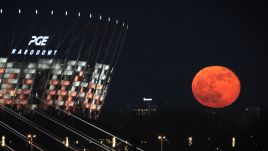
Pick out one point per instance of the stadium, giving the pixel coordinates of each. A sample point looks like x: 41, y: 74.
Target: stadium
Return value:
x: 58, y: 58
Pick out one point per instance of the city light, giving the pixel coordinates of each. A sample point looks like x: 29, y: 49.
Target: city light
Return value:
x: 233, y: 141
x: 126, y: 147
x: 66, y: 142
x: 113, y: 142
x: 3, y: 141
x: 190, y: 141
x: 161, y: 138
x: 31, y: 136
x: 147, y: 99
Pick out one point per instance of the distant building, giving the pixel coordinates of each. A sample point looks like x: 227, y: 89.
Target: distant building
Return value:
x: 146, y: 107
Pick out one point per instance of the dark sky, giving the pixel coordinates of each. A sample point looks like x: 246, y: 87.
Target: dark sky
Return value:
x: 168, y: 42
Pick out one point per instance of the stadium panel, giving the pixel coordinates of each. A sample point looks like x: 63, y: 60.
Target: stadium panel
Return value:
x: 68, y: 64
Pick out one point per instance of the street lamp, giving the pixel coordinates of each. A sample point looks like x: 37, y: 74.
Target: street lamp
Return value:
x: 31, y: 136
x: 3, y: 142
x: 113, y: 142
x: 66, y: 142
x: 161, y: 138
x: 233, y: 142
x: 190, y: 141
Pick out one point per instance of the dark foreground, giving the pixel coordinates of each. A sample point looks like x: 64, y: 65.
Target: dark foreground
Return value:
x: 193, y: 129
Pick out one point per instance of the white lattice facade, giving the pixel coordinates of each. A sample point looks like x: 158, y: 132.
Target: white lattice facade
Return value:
x: 65, y: 84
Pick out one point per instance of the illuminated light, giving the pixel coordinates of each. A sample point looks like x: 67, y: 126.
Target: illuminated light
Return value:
x: 77, y: 142
x: 52, y: 12
x: 81, y: 73
x: 90, y: 15
x: 123, y: 24
x: 161, y: 138
x: 63, y: 92
x: 34, y: 52
x: 1, y: 11
x: 79, y: 14
x: 66, y: 13
x: 100, y: 17
x: 36, y: 11
x: 8, y: 101
x: 233, y: 141
x: 2, y: 70
x: 116, y: 21
x: 73, y: 93
x: 19, y: 11
x: 93, y: 106
x: 76, y: 78
x: 87, y: 105
x: 99, y: 86
x: 109, y: 19
x: 52, y: 92
x: 66, y: 142
x: 54, y: 82
x: 113, y: 142
x: 92, y: 85
x: 96, y: 97
x: 28, y: 81
x: 190, y: 141
x: 39, y: 40
x: 65, y: 83
x: 147, y: 99
x: 3, y: 141
x: 31, y: 136
x: 89, y: 95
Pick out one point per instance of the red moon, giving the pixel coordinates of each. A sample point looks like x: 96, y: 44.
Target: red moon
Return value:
x: 216, y: 87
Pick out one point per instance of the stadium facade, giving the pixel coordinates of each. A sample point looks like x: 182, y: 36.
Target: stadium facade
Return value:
x: 60, y: 59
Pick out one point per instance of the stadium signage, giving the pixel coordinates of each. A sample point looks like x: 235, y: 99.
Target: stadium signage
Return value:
x: 37, y: 41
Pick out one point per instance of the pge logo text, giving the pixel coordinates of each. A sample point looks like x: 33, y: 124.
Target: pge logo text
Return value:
x: 39, y: 40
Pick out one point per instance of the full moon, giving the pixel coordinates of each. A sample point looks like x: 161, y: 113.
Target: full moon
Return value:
x: 216, y: 87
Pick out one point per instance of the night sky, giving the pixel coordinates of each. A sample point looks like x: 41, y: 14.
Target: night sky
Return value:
x: 168, y: 42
